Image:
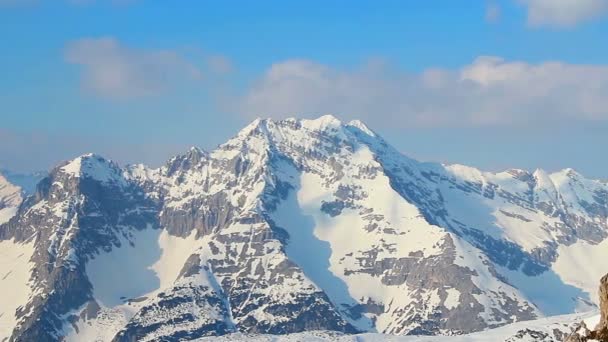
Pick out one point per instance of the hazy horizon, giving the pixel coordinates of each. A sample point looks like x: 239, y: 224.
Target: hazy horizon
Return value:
x: 493, y: 84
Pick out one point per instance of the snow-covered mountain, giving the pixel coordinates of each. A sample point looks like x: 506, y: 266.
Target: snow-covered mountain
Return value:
x: 291, y: 226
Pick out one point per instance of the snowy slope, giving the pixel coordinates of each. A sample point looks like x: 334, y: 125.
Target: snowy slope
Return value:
x: 15, y: 273
x: 551, y: 329
x: 300, y: 225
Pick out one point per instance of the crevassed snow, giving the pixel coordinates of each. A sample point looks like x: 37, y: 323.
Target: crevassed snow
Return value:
x: 15, y: 273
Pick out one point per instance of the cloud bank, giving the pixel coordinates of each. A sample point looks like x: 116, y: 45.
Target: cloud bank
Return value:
x: 563, y: 13
x: 489, y: 91
x: 113, y: 70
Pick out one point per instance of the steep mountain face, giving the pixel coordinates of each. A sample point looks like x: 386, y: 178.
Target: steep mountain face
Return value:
x: 297, y: 225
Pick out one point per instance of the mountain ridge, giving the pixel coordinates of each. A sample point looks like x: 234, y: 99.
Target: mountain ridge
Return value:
x: 296, y: 225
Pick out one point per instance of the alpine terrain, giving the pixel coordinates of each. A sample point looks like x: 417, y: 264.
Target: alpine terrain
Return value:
x: 295, y: 226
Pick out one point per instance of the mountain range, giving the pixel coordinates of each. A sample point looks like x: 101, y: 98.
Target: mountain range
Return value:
x: 294, y: 226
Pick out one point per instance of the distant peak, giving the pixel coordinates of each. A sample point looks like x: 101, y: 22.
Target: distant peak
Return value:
x: 87, y: 158
x: 328, y: 118
x: 362, y: 127
x: 540, y: 173
x: 196, y: 151
x: 253, y: 126
x: 568, y: 172
x: 193, y: 157
x: 322, y: 123
x: 93, y: 166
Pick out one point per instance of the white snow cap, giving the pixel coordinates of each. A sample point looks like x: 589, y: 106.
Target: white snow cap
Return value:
x: 93, y: 166
x: 322, y: 123
x: 361, y: 126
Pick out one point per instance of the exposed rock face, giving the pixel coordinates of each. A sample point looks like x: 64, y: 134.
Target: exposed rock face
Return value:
x: 600, y: 332
x: 603, y: 292
x: 290, y: 226
x: 582, y: 333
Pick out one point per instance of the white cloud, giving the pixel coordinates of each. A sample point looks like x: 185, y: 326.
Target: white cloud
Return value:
x: 489, y: 91
x: 111, y: 69
x: 563, y: 13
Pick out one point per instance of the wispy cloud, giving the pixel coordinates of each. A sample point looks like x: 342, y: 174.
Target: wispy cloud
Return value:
x: 488, y: 92
x: 563, y: 13
x: 493, y: 12
x: 113, y: 70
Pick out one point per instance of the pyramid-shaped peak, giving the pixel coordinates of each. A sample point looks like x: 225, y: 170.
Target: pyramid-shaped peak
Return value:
x: 93, y: 166
x: 264, y: 134
x: 193, y: 157
x: 195, y: 151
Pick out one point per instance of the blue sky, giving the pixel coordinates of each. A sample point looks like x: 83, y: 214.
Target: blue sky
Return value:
x: 493, y: 84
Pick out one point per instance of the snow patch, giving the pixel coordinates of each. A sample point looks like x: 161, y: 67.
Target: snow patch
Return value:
x: 7, y: 213
x: 453, y: 299
x: 95, y: 167
x: 581, y: 265
x: 15, y: 273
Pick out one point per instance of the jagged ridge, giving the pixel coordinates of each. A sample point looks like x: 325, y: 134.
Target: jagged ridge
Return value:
x: 298, y: 225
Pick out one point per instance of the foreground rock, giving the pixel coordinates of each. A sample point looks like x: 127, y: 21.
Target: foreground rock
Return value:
x: 600, y: 332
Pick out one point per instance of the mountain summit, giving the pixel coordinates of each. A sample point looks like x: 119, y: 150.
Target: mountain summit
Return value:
x: 295, y: 225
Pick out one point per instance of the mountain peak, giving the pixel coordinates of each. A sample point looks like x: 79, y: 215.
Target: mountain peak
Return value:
x: 322, y: 123
x: 187, y: 160
x: 362, y: 127
x: 93, y: 166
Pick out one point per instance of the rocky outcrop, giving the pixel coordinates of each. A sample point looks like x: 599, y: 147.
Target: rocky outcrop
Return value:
x: 600, y: 332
